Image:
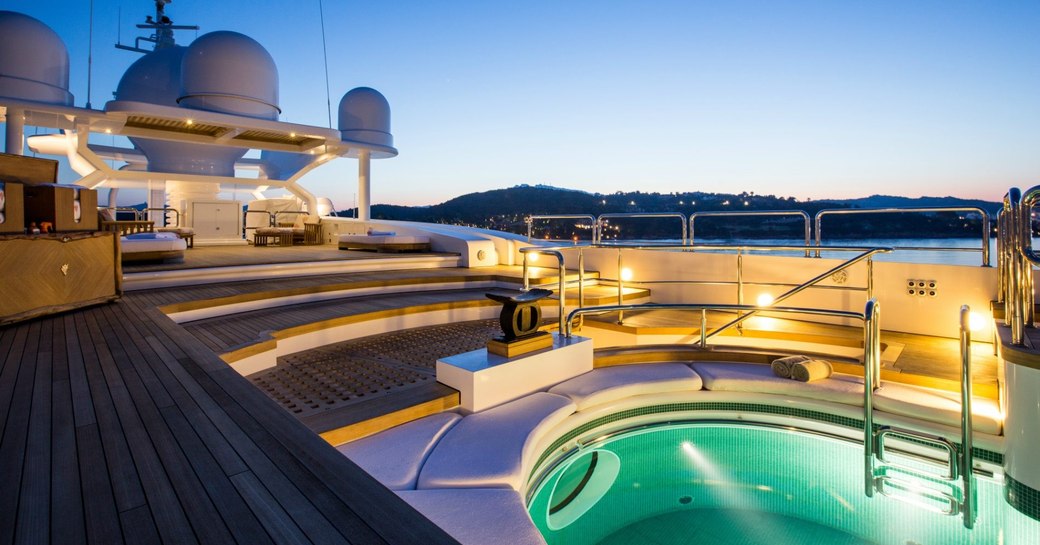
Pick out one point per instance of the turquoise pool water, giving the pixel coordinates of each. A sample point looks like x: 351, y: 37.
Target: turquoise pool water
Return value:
x: 737, y: 484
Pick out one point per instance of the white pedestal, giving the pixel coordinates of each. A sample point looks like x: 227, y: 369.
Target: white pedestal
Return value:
x: 485, y: 380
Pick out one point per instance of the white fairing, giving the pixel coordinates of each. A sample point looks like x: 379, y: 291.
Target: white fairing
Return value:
x: 364, y: 116
x: 156, y: 79
x: 34, y: 63
x: 230, y: 73
x: 1022, y: 424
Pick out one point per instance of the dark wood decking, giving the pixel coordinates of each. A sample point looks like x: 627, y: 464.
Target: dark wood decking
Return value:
x: 117, y: 426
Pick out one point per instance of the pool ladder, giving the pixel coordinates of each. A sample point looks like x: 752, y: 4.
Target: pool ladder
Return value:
x: 951, y: 492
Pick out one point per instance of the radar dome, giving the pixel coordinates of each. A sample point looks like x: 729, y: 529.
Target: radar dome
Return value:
x: 230, y: 73
x: 156, y: 79
x: 34, y: 63
x: 364, y: 117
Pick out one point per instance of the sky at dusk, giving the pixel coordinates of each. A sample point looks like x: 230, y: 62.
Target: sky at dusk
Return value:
x: 810, y: 99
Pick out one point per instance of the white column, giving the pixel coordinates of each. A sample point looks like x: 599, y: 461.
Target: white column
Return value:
x: 364, y: 185
x: 15, y: 131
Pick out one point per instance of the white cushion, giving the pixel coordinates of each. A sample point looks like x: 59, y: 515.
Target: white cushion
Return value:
x: 608, y: 384
x: 477, y: 516
x: 751, y: 377
x: 384, y: 239
x: 937, y: 406
x: 395, y: 456
x: 488, y: 449
x: 151, y: 242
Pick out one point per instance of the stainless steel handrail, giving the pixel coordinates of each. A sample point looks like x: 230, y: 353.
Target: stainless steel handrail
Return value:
x: 164, y: 210
x: 973, y: 209
x: 867, y: 255
x: 1015, y: 265
x: 610, y: 215
x: 562, y: 274
x: 270, y: 217
x: 529, y: 220
x: 967, y: 457
x: 802, y: 213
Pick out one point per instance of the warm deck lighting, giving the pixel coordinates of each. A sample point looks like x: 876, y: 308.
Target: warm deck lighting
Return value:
x: 626, y: 274
x: 764, y: 300
x: 189, y: 122
x: 532, y: 257
x: 976, y: 322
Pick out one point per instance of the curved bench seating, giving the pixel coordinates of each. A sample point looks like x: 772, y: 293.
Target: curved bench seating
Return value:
x: 937, y: 406
x: 608, y: 384
x: 748, y: 377
x: 395, y: 456
x: 488, y: 449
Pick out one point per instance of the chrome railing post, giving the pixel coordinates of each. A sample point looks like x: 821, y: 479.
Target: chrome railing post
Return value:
x: 704, y: 328
x: 620, y: 289
x: 740, y: 288
x: 1014, y: 307
x: 563, y: 288
x: 527, y: 273
x: 819, y: 233
x: 967, y: 441
x: 870, y: 277
x: 870, y: 315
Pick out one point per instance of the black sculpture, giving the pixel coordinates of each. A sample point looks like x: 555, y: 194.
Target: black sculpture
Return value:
x: 519, y: 319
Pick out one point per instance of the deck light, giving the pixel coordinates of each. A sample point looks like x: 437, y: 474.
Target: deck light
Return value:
x: 976, y: 321
x: 626, y: 274
x: 189, y: 122
x: 532, y: 257
x: 764, y: 300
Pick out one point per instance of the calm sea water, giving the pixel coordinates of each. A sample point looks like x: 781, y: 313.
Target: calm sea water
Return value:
x: 945, y: 251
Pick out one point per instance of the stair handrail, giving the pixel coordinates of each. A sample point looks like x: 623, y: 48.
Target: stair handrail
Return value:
x: 867, y: 255
x: 967, y: 457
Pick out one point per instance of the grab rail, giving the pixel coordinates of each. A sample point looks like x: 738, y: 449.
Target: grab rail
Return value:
x: 867, y: 255
x: 562, y: 274
x: 270, y: 217
x: 1016, y: 261
x: 961, y: 459
x: 165, y: 210
x: 529, y: 220
x: 845, y: 211
x: 600, y: 222
x: 802, y: 213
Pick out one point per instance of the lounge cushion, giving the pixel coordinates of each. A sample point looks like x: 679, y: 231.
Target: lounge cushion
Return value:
x: 151, y: 242
x: 751, y: 377
x: 608, y: 384
x: 477, y: 516
x: 395, y: 456
x: 939, y: 406
x: 383, y: 239
x: 488, y: 449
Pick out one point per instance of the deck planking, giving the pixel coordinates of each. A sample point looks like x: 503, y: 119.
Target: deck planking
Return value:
x: 117, y: 426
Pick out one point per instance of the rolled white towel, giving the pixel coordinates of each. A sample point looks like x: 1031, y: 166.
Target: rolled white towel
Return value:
x: 807, y: 371
x: 782, y: 366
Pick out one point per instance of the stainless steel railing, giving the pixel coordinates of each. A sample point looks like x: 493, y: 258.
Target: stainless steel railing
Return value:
x: 804, y: 215
x: 600, y: 221
x: 165, y: 211
x: 924, y: 210
x: 1016, y: 259
x: 556, y: 251
x: 529, y: 220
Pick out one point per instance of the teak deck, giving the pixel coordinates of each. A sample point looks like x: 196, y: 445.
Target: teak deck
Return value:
x: 117, y: 426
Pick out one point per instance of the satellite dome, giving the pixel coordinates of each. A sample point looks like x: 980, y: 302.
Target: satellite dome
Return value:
x: 364, y: 117
x: 34, y: 63
x: 230, y: 73
x: 156, y: 79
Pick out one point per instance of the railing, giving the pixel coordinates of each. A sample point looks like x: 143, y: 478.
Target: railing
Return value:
x: 960, y: 459
x: 1016, y: 259
x: 865, y: 253
x: 293, y: 213
x: 529, y: 220
x: 600, y: 220
x: 802, y: 213
x: 270, y: 217
x: 925, y: 210
x: 165, y: 211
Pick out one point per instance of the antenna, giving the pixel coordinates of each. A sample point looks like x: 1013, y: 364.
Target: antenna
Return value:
x: 90, y: 53
x: 163, y: 27
x: 325, y: 56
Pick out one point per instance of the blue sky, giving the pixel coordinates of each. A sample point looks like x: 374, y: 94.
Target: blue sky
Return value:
x: 828, y: 99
